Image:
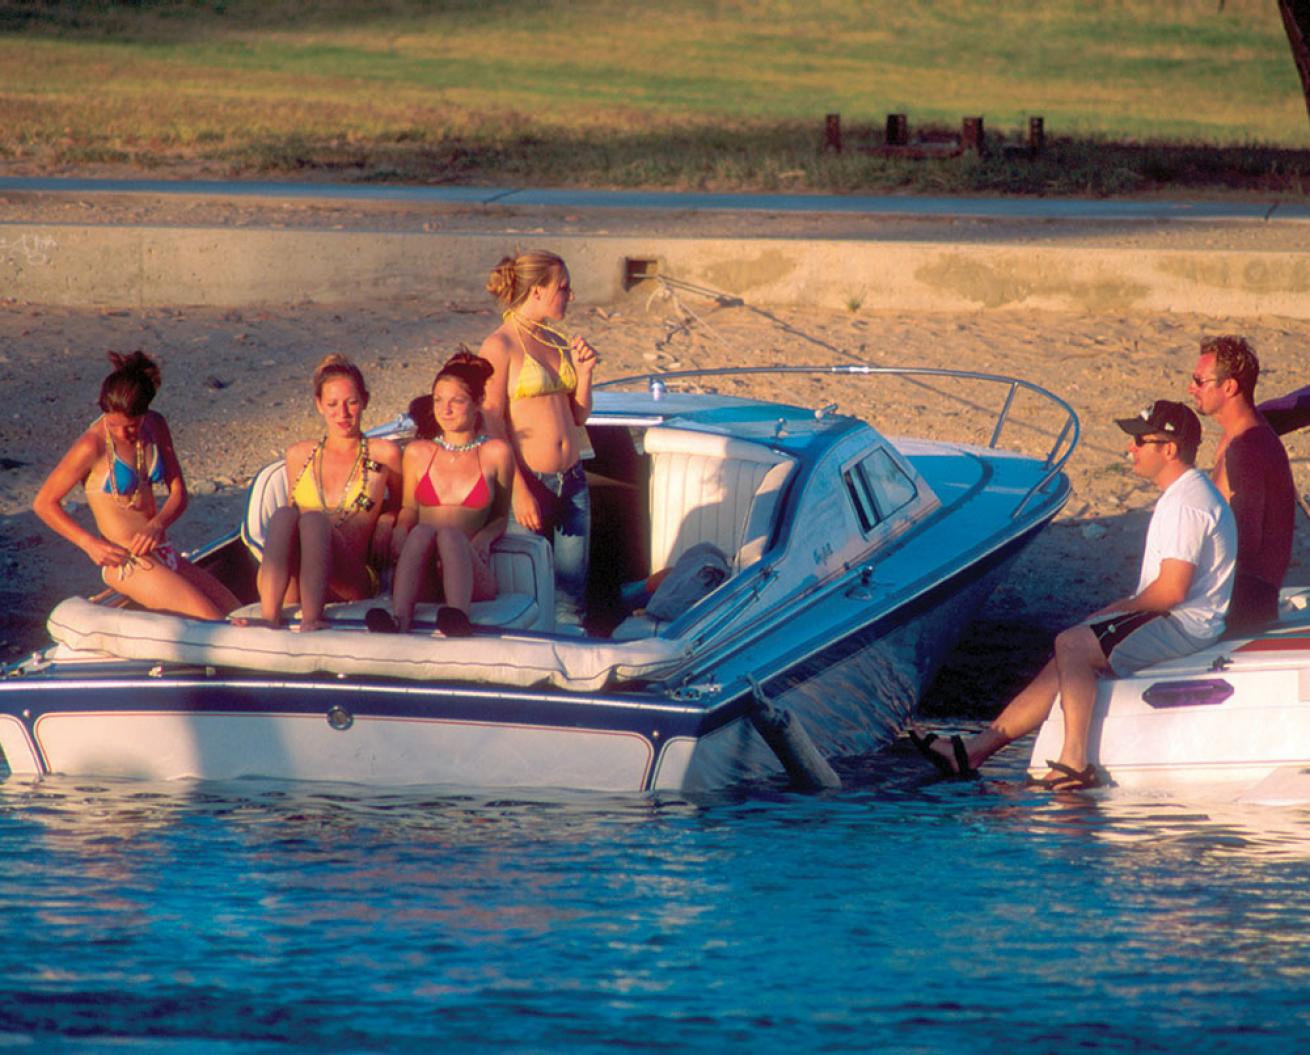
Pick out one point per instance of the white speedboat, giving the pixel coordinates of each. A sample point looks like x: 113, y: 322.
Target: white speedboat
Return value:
x: 853, y: 562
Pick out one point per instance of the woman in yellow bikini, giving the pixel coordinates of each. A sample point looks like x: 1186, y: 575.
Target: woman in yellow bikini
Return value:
x: 538, y: 398
x: 318, y: 547
x: 120, y: 460
x: 457, y: 482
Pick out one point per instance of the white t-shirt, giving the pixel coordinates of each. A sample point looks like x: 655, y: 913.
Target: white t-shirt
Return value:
x: 1192, y: 522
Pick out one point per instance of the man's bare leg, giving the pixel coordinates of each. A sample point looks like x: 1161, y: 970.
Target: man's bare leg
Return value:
x: 1021, y: 716
x: 1080, y: 660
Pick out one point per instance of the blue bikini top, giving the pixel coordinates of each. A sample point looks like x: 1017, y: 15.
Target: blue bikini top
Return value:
x: 121, y: 477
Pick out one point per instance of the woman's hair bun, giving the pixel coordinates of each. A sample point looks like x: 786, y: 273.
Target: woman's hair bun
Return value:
x: 500, y: 283
x: 131, y: 386
x: 468, y: 360
x: 135, y: 364
x: 470, y: 369
x: 334, y: 364
x: 516, y: 276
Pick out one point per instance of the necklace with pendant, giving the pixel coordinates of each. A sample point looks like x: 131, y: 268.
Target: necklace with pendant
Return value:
x: 143, y: 496
x: 363, y: 464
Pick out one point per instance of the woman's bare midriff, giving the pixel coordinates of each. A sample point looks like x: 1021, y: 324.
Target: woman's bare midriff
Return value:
x: 544, y: 432
x: 116, y: 523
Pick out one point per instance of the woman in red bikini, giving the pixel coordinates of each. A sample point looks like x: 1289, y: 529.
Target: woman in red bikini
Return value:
x: 125, y: 454
x: 456, y: 491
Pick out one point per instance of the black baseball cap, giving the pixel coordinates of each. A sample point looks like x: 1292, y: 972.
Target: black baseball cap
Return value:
x: 1176, y: 420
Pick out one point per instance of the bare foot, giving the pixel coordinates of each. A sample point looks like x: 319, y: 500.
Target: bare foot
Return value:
x: 308, y: 626
x: 254, y: 620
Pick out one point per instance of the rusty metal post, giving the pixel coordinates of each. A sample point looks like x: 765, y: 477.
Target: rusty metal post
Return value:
x: 1036, y: 134
x: 898, y: 130
x: 832, y: 133
x: 972, y: 136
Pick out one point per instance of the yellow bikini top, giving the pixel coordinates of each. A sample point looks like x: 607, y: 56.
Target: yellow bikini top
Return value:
x: 534, y: 379
x: 308, y: 493
x: 537, y: 380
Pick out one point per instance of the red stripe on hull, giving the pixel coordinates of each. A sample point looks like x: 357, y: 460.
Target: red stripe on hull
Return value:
x: 1300, y: 642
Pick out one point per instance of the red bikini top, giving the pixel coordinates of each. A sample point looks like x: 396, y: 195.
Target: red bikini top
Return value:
x: 479, y: 496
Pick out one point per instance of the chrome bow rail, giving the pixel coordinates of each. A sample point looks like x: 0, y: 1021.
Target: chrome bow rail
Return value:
x: 1065, y: 441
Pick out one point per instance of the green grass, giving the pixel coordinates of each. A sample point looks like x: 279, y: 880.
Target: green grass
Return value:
x: 1136, y: 94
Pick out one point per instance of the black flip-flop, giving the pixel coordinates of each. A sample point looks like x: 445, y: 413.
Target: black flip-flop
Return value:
x: 960, y: 771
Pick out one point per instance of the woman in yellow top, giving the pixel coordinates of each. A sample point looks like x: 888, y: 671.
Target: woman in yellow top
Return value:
x: 538, y: 398
x: 318, y: 548
x: 457, y: 482
x: 125, y: 454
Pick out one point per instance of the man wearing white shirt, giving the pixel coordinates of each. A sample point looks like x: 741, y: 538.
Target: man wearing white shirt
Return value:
x: 1182, y: 593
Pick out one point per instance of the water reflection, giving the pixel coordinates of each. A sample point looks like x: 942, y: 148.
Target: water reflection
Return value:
x: 99, y: 821
x: 900, y: 913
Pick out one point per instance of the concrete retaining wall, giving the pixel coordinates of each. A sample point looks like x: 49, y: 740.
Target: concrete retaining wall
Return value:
x: 158, y: 266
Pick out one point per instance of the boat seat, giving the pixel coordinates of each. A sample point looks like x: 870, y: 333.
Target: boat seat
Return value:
x: 524, y: 567
x: 710, y: 488
x: 269, y: 492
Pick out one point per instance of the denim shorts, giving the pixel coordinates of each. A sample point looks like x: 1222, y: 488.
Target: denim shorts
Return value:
x: 567, y: 526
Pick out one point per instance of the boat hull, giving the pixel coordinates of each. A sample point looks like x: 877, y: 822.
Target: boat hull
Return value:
x: 1233, y: 718
x: 214, y: 728
x: 850, y: 687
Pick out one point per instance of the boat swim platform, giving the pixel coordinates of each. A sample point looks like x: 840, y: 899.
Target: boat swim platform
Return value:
x: 902, y: 253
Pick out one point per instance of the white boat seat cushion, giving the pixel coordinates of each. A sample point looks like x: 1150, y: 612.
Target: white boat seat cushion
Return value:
x: 710, y: 488
x: 524, y: 567
x: 581, y: 665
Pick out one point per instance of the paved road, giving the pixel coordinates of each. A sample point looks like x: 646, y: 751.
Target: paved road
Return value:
x: 884, y: 205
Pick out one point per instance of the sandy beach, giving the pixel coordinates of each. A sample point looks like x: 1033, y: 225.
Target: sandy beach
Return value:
x: 236, y: 393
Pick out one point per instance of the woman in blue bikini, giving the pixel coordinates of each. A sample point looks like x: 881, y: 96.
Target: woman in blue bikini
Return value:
x: 121, y: 459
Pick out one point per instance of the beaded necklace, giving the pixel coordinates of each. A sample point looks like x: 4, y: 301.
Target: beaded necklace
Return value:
x: 458, y: 448
x: 143, y: 497
x: 363, y: 465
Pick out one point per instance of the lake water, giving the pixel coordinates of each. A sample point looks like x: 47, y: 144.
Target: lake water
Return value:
x: 898, y: 915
